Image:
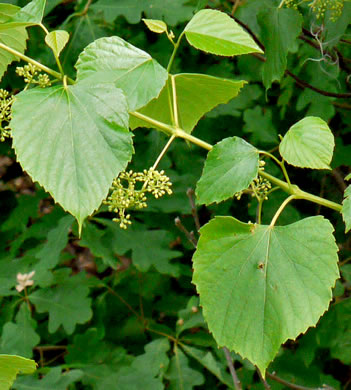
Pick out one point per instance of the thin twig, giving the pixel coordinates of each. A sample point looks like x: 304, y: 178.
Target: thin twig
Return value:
x: 189, y: 235
x: 190, y: 192
x: 235, y: 6
x: 339, y: 179
x: 236, y: 380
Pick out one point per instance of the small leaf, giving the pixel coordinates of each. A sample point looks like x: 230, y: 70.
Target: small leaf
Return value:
x: 57, y: 40
x: 309, y: 143
x: 348, y: 177
x: 260, y: 285
x: 196, y: 95
x: 215, y: 32
x: 156, y: 26
x: 78, y: 143
x: 113, y: 60
x: 230, y: 167
x: 15, y: 37
x: 280, y: 28
x: 346, y: 208
x: 11, y: 366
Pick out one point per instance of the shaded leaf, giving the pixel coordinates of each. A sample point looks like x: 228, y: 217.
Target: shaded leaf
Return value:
x: 79, y: 141
x: 280, y: 28
x: 11, y: 366
x: 261, y: 285
x: 20, y: 338
x: 309, y: 143
x: 31, y: 14
x: 67, y: 304
x: 215, y: 32
x: 53, y: 380
x: 196, y: 95
x: 230, y: 167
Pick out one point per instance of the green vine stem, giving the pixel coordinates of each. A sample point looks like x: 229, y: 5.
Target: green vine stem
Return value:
x: 281, y: 208
x: 280, y: 163
x: 290, y: 189
x: 175, y: 49
x: 23, y: 57
x: 178, y: 132
x: 58, y: 62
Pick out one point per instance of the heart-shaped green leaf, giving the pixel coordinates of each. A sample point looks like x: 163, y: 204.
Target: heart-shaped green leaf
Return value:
x: 57, y: 40
x: 230, y: 167
x: 309, y: 143
x: 114, y: 60
x: 196, y: 94
x: 215, y: 32
x: 260, y: 285
x: 73, y: 140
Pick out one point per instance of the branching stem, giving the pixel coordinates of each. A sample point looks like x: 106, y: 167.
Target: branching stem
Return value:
x: 175, y: 49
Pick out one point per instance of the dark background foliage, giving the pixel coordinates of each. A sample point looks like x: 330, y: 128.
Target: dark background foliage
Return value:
x: 117, y: 309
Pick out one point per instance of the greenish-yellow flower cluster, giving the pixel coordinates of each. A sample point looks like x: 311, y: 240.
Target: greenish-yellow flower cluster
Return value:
x: 32, y: 75
x: 130, y: 189
x: 5, y: 114
x: 260, y: 188
x: 320, y: 7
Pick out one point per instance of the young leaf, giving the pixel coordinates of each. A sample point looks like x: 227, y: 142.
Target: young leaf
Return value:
x: 230, y: 167
x: 11, y: 366
x: 57, y: 40
x: 215, y: 32
x: 53, y: 380
x: 346, y: 208
x: 280, y: 28
x: 156, y: 26
x: 15, y: 37
x: 20, y: 338
x: 113, y: 60
x: 309, y: 143
x: 79, y: 141
x: 260, y: 285
x: 67, y: 304
x: 196, y: 95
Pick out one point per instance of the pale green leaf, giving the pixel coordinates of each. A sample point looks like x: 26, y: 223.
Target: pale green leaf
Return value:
x: 215, y: 32
x: 114, y: 60
x: 57, y: 40
x: 14, y: 37
x: 67, y: 304
x: 180, y: 375
x: 260, y: 285
x: 11, y: 366
x: 309, y: 143
x: 230, y: 167
x: 156, y: 26
x: 20, y: 338
x: 53, y: 380
x: 346, y: 208
x: 77, y: 143
x: 348, y: 177
x: 196, y: 95
x: 280, y: 28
